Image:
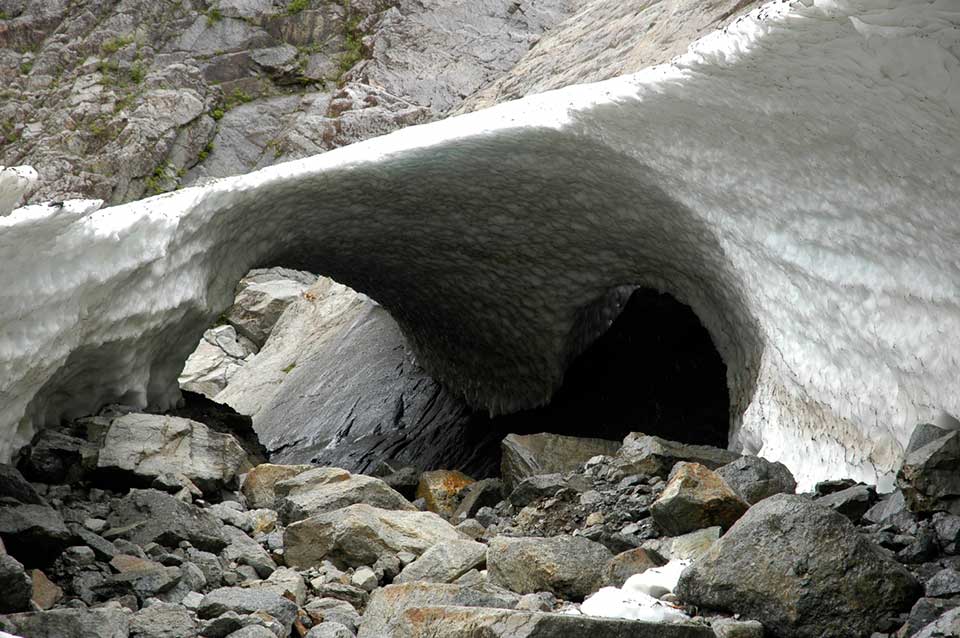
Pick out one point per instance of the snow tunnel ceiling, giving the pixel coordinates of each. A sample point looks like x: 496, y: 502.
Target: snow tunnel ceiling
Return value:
x: 794, y: 179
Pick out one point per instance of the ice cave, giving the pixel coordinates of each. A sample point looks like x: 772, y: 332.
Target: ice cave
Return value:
x: 793, y: 179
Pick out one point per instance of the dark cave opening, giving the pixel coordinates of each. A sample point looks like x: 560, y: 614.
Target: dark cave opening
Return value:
x: 655, y: 371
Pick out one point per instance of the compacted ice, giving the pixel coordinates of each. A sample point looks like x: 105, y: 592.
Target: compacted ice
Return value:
x: 794, y: 179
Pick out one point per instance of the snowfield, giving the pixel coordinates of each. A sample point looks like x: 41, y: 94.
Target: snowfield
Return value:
x: 794, y: 178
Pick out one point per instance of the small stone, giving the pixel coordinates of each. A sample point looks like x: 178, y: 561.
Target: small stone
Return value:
x: 852, y: 502
x: 192, y: 600
x: 80, y: 555
x: 334, y: 610
x: 440, y: 490
x: 364, y: 578
x: 15, y: 584
x: 163, y: 620
x: 248, y: 601
x: 541, y: 601
x: 595, y: 518
x: 445, y: 562
x: 730, y: 628
x: 625, y: 564
x: 944, y: 583
x: 95, y: 525
x: 534, y: 488
x: 472, y: 528
x: 258, y: 484
x: 483, y: 493
x: 46, y: 593
x: 329, y: 630
x: 694, y: 498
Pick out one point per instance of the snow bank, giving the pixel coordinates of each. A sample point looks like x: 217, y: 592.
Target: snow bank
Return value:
x: 638, y: 599
x: 794, y: 178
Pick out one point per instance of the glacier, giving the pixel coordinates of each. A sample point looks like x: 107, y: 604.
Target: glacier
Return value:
x: 794, y: 178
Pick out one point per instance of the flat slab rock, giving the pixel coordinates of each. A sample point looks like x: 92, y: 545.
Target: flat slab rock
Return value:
x: 470, y: 622
x: 546, y: 453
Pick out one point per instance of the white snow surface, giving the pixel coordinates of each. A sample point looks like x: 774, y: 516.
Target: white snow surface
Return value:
x: 794, y: 178
x: 15, y: 181
x: 638, y: 599
x: 656, y: 581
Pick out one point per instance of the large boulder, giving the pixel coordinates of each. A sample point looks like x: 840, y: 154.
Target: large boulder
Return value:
x: 469, y: 622
x: 110, y: 622
x: 445, y: 562
x: 929, y: 478
x: 261, y: 298
x: 654, y: 456
x: 385, y: 610
x: 546, y: 453
x: 33, y: 534
x: 163, y: 620
x: 802, y: 570
x: 569, y: 566
x: 248, y: 601
x: 145, y: 516
x: 259, y: 485
x: 754, y: 478
x: 16, y: 488
x: 360, y: 534
x: 16, y: 585
x: 325, y: 489
x: 696, y: 498
x: 944, y: 626
x: 151, y: 445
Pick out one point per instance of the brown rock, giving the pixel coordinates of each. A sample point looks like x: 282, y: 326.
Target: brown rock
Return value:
x: 694, y: 498
x: 125, y: 564
x: 46, y: 594
x: 441, y: 488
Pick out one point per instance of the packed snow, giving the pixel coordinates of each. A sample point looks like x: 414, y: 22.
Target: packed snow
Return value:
x: 794, y: 178
x: 639, y: 598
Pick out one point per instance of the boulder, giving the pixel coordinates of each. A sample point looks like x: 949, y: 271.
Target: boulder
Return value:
x: 730, y: 628
x: 445, y: 562
x: 285, y: 582
x: 890, y: 508
x: 33, y: 534
x: 360, y: 534
x: 945, y: 583
x: 545, y: 453
x: 56, y: 457
x: 218, y: 357
x: 685, y: 547
x: 929, y: 478
x: 924, y: 612
x: 243, y: 550
x: 625, y: 564
x: 802, y: 570
x: 569, y: 566
x: 324, y: 489
x: 533, y: 488
x: 467, y: 622
x: 440, y: 490
x: 695, y: 498
x: 260, y: 482
x: 944, y: 626
x: 105, y: 622
x: 923, y: 434
x: 754, y: 478
x: 14, y: 487
x: 248, y: 601
x: 654, y: 456
x: 145, y: 516
x: 483, y: 493
x: 386, y: 609
x: 151, y: 445
x: 264, y: 294
x: 405, y: 479
x: 16, y: 585
x: 329, y: 630
x: 852, y: 502
x: 163, y: 620
x: 335, y: 610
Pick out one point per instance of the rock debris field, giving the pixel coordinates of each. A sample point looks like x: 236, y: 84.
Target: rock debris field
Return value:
x: 130, y: 524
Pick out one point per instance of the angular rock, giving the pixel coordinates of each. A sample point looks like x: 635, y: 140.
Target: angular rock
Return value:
x: 832, y: 486
x: 152, y: 516
x: 223, y: 419
x: 754, y: 478
x: 924, y: 612
x: 944, y: 626
x: 654, y: 456
x: 220, y: 354
x: 45, y: 593
x: 285, y: 582
x: 264, y: 294
x: 852, y: 502
x: 625, y: 564
x: 163, y: 620
x: 686, y: 547
x: 929, y: 478
x: 334, y: 610
x: 252, y: 631
x: 533, y: 488
x: 467, y: 622
x: 385, y: 611
x: 483, y: 493
x: 923, y: 434
x: 440, y: 490
x: 405, y: 479
x: 947, y: 527
x: 546, y: 453
x: 944, y: 583
x: 244, y: 550
x: 730, y: 628
x: 248, y: 601
x: 810, y: 572
x: 695, y: 498
x: 329, y: 630
x: 14, y: 487
x: 888, y: 509
x: 56, y: 457
x: 33, y: 534
x: 359, y: 534
x: 324, y: 489
x: 151, y: 445
x: 259, y: 483
x: 73, y: 623
x: 16, y: 585
x: 445, y: 562
x: 569, y: 566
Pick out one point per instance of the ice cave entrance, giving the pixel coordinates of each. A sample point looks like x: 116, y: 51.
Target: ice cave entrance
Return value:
x: 655, y: 370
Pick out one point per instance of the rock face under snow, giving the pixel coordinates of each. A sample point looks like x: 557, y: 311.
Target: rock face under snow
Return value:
x: 802, y: 205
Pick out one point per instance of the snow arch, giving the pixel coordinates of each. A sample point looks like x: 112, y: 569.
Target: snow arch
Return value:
x: 793, y: 179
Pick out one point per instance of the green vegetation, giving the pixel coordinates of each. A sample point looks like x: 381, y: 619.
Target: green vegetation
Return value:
x: 8, y: 132
x: 217, y: 114
x: 289, y: 368
x: 237, y: 97
x: 353, y: 46
x: 296, y: 6
x: 25, y: 67
x: 3, y: 15
x: 214, y: 15
x: 113, y: 45
x: 137, y: 73
x: 205, y: 153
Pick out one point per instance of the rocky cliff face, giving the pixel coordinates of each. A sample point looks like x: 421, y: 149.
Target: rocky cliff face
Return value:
x: 117, y: 100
